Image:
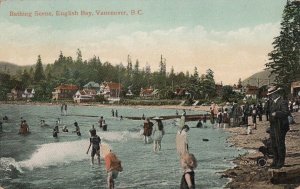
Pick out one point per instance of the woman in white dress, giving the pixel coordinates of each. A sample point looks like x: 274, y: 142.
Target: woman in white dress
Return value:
x: 157, y: 134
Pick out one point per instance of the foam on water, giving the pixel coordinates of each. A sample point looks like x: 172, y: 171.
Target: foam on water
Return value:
x: 56, y: 153
x: 119, y: 136
x: 52, y: 154
x: 7, y: 164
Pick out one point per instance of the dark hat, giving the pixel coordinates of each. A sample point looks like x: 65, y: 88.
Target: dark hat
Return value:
x: 186, y: 127
x: 273, y: 89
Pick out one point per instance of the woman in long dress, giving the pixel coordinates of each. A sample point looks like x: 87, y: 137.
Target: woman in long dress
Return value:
x: 157, y: 133
x: 182, y: 141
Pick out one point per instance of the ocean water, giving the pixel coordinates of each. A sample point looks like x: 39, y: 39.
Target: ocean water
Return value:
x: 39, y: 161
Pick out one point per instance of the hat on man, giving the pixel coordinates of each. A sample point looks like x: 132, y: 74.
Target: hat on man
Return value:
x: 273, y: 89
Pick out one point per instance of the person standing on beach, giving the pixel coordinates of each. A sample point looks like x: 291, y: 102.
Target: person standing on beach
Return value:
x: 254, y: 115
x: 62, y: 109
x: 225, y: 118
x: 113, y: 112
x: 66, y: 109
x: 279, y: 125
x: 245, y: 113
x: 220, y: 118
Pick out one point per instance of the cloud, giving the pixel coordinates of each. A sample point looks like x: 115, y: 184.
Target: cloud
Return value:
x: 230, y: 54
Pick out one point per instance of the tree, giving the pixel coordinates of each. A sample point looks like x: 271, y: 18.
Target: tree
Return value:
x: 208, y: 84
x: 284, y: 59
x: 239, y: 85
x: 162, y: 66
x: 194, y: 85
x: 39, y: 70
x: 227, y: 93
x: 26, y: 79
x: 5, y: 85
x: 79, y: 56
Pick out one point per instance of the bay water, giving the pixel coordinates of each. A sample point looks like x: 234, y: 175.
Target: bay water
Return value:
x: 38, y: 160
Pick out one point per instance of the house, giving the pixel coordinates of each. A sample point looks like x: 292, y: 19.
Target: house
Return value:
x: 149, y: 92
x: 180, y: 92
x: 85, y: 95
x: 110, y: 89
x: 251, y: 91
x: 92, y: 85
x: 15, y: 94
x: 129, y: 93
x: 238, y: 89
x: 28, y: 93
x: 295, y: 88
x: 64, y: 91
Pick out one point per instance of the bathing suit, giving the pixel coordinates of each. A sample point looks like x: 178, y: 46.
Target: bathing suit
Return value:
x: 95, y: 140
x: 183, y: 184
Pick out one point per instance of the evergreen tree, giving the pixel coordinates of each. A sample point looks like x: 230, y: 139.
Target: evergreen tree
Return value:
x: 208, y: 84
x: 26, y: 79
x: 79, y: 57
x: 239, y: 85
x: 194, y: 84
x: 129, y: 65
x: 162, y: 66
x: 284, y: 59
x: 39, y: 70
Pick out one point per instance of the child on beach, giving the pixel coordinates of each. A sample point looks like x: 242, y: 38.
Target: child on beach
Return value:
x: 112, y: 164
x: 188, y: 163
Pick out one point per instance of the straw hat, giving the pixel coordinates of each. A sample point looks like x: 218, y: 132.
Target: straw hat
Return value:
x: 273, y: 89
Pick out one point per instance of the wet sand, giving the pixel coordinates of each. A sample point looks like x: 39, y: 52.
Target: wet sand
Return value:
x: 247, y: 174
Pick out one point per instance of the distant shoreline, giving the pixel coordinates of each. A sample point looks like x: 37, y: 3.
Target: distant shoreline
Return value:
x: 175, y: 107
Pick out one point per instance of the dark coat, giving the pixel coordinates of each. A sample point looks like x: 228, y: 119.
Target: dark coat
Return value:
x: 280, y: 107
x: 148, y: 127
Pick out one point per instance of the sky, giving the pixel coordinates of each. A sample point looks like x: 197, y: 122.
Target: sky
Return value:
x: 231, y: 37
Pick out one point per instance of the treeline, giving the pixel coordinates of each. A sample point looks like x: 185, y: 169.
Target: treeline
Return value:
x: 67, y: 70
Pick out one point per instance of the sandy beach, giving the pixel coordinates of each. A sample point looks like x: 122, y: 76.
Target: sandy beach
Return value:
x: 175, y: 107
x: 247, y: 174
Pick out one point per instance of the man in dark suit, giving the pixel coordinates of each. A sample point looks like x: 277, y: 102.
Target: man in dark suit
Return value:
x: 278, y: 117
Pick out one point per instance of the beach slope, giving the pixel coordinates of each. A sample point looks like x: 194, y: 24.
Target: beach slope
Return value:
x: 247, y: 174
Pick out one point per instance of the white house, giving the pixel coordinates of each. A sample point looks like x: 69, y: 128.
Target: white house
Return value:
x: 85, y: 95
x: 28, y: 93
